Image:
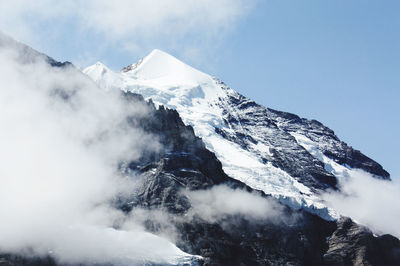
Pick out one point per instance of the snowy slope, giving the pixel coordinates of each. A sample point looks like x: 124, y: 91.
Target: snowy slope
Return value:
x: 247, y: 138
x: 102, y: 74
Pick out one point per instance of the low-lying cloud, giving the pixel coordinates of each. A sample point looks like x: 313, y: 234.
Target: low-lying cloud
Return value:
x: 220, y: 201
x: 62, y: 140
x: 369, y: 201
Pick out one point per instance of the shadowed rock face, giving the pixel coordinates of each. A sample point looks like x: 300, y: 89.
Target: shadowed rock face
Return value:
x: 296, y: 238
x: 183, y: 161
x: 328, y: 142
x: 250, y: 123
x: 352, y: 244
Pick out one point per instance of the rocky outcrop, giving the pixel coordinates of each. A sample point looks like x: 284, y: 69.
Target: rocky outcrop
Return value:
x: 183, y: 161
x: 352, y: 244
x: 328, y: 142
x: 249, y: 123
x: 252, y: 123
x: 296, y: 238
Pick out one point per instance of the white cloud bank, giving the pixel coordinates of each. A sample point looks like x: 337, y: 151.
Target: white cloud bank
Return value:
x: 365, y: 199
x: 168, y: 17
x: 369, y: 201
x: 218, y: 202
x: 58, y: 173
x: 128, y: 23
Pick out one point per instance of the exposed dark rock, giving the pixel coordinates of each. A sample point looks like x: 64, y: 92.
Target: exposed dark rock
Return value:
x: 248, y: 123
x: 298, y: 238
x: 239, y: 241
x: 187, y: 164
x: 328, y: 142
x: 352, y: 244
x: 183, y: 162
x: 251, y: 123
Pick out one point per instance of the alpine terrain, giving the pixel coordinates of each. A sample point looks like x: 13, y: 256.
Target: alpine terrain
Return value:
x: 232, y: 182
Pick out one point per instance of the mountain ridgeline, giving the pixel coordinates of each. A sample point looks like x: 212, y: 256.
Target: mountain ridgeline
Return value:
x: 290, y: 158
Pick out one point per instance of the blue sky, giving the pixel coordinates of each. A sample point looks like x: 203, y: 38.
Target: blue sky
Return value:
x: 337, y: 61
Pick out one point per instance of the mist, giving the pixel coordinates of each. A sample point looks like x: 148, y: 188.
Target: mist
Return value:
x: 62, y: 139
x: 368, y: 201
x: 221, y: 201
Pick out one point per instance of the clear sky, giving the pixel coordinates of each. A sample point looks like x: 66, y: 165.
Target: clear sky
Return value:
x: 337, y: 61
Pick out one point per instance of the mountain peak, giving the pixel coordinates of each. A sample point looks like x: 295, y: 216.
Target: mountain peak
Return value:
x: 100, y: 72
x: 157, y: 53
x: 97, y: 70
x: 158, y: 64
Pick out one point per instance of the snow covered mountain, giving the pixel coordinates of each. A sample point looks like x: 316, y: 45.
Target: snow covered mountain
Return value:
x: 198, y: 174
x: 281, y: 154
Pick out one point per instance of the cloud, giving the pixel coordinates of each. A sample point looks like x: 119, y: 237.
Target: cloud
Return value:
x: 130, y: 24
x: 220, y: 201
x: 369, y: 201
x: 62, y: 139
x: 119, y: 18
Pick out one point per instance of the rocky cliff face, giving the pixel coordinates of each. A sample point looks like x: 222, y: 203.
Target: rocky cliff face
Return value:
x: 253, y: 123
x: 295, y: 238
x: 328, y: 142
x: 351, y: 244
